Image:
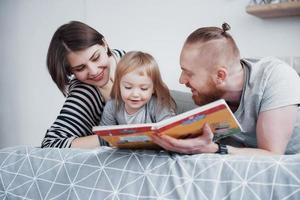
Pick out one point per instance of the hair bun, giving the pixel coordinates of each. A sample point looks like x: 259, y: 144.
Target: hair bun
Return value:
x: 225, y: 27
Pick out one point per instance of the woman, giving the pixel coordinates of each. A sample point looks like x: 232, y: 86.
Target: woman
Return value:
x: 82, y: 65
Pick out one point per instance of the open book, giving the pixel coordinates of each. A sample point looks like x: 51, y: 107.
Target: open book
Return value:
x: 217, y: 114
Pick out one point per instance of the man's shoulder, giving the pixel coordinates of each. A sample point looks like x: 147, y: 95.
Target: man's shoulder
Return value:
x: 268, y: 66
x: 265, y: 62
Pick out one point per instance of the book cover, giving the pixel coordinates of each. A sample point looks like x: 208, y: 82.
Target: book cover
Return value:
x: 217, y: 114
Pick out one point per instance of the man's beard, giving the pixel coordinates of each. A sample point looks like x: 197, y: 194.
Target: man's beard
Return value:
x: 213, y: 94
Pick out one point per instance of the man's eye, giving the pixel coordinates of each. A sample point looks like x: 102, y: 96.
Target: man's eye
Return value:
x: 188, y: 74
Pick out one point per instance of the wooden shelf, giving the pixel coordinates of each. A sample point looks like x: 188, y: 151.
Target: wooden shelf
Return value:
x: 275, y: 10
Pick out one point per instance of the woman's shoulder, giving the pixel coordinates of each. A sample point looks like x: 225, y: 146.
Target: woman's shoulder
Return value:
x: 119, y: 53
x: 77, y: 87
x: 75, y: 84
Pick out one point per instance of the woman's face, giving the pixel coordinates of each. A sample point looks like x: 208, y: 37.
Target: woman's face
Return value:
x: 91, y: 65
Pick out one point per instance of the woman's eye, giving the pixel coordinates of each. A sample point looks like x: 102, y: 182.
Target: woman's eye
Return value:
x: 96, y: 58
x: 78, y: 69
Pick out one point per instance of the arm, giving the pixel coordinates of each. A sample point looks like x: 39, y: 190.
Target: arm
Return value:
x: 73, y: 127
x: 274, y: 129
x: 87, y: 142
x: 200, y: 144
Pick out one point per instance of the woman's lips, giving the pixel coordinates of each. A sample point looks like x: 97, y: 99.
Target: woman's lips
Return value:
x: 98, y: 77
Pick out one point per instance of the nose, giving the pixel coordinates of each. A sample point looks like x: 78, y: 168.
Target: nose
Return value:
x: 135, y: 92
x: 92, y: 69
x: 182, y: 79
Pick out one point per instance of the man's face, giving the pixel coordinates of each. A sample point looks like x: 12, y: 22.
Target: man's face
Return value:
x: 197, y: 76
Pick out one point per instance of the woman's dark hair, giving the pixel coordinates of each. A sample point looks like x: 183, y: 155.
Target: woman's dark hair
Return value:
x: 73, y: 36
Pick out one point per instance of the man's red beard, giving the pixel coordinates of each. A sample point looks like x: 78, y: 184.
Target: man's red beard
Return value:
x: 202, y: 100
x: 213, y: 94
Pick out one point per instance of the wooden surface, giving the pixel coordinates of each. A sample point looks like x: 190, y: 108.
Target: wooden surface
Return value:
x: 275, y: 10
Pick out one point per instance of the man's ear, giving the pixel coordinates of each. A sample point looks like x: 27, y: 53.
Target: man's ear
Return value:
x: 221, y: 76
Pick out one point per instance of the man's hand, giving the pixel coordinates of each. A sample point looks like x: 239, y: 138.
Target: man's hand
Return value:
x: 200, y: 144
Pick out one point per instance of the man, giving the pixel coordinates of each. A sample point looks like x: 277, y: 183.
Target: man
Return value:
x: 263, y: 94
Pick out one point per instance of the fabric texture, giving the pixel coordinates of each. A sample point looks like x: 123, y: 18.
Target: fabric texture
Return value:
x: 81, y: 111
x: 106, y: 173
x: 270, y: 84
x: 151, y: 112
x: 184, y: 101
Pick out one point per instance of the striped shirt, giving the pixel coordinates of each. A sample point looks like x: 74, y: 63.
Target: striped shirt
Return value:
x: 81, y: 111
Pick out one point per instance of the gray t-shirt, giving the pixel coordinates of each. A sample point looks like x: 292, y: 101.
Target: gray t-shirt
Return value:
x: 149, y: 113
x: 269, y: 84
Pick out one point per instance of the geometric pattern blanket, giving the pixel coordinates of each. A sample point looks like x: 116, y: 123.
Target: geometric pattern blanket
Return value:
x: 105, y: 173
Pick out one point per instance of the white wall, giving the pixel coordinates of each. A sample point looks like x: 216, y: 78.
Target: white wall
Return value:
x: 29, y: 99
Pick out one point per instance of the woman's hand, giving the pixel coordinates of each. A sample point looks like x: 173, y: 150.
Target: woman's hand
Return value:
x: 199, y: 144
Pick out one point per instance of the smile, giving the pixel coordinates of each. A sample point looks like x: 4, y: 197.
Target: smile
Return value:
x: 134, y: 101
x: 193, y: 90
x: 98, y: 77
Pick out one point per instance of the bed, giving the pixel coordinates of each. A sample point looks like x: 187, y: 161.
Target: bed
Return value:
x: 28, y: 172
x: 105, y: 173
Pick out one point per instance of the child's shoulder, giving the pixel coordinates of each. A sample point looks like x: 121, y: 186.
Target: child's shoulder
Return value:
x: 111, y: 105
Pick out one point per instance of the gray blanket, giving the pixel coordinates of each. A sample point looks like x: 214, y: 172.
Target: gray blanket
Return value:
x: 106, y: 173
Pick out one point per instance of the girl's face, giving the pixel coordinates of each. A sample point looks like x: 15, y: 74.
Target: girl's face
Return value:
x: 136, y: 90
x: 91, y: 65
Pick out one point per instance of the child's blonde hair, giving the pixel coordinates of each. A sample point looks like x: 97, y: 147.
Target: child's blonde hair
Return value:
x: 137, y: 59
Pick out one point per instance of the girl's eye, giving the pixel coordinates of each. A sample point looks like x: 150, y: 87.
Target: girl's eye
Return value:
x: 144, y: 89
x: 127, y: 88
x: 96, y: 58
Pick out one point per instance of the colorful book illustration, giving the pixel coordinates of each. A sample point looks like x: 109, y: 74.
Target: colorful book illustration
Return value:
x: 217, y: 114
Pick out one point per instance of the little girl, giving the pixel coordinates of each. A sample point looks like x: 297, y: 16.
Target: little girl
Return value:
x: 138, y: 93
